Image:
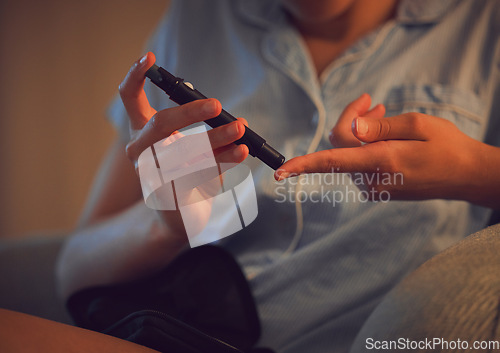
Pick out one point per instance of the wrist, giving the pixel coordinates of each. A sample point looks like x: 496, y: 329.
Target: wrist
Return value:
x: 483, y: 176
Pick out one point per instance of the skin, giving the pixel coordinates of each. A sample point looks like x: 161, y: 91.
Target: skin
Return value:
x: 23, y: 333
x: 330, y: 27
x: 436, y: 158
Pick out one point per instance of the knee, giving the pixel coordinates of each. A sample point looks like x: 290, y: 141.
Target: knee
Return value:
x: 455, y: 295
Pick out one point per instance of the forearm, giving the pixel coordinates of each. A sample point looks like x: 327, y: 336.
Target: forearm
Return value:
x: 116, y: 187
x: 121, y: 248
x: 485, y: 177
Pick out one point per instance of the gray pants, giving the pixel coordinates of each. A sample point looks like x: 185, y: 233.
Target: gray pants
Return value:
x: 453, y: 296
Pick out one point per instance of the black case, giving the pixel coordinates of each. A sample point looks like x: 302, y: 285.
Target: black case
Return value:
x: 201, y: 302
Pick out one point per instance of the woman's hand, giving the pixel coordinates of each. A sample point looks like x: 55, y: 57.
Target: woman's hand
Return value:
x: 149, y: 126
x: 434, y: 158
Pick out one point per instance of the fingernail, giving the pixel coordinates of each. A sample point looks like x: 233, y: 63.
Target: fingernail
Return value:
x: 233, y: 129
x: 143, y: 60
x: 210, y: 107
x: 361, y: 126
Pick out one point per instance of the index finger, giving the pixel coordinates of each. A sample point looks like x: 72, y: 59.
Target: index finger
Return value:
x: 132, y: 92
x: 338, y: 160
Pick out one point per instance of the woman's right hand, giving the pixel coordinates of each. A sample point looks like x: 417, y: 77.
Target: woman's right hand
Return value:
x: 147, y: 126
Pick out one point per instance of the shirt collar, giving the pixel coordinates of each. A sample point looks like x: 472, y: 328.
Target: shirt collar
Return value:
x: 267, y: 13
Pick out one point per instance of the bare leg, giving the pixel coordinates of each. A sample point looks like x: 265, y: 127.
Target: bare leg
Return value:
x: 25, y: 333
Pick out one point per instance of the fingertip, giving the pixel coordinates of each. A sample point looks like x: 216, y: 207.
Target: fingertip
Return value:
x: 281, y: 174
x: 287, y: 170
x: 241, y: 130
x: 151, y: 57
x: 135, y: 78
x: 380, y: 108
x: 145, y: 62
x: 365, y: 97
x: 240, y: 153
x: 245, y: 150
x: 211, y: 107
x: 218, y: 105
x: 358, y: 107
x: 243, y: 120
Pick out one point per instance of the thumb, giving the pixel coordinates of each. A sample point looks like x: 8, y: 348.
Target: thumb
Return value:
x: 409, y: 126
x: 132, y: 93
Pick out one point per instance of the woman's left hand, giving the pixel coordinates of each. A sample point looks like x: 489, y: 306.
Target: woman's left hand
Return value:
x: 434, y: 158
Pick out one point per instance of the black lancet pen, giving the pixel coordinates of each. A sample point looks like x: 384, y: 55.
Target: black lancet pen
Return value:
x: 183, y: 92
